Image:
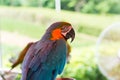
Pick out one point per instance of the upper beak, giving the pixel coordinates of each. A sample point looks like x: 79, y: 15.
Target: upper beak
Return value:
x: 71, y: 34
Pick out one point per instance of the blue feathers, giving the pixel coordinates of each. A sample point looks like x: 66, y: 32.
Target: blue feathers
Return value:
x: 47, y: 62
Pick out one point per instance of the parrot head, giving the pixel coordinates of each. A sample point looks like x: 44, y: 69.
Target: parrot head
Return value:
x: 61, y: 30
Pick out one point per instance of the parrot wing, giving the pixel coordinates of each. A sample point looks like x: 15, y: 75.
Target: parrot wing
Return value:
x: 21, y: 56
x: 44, y: 60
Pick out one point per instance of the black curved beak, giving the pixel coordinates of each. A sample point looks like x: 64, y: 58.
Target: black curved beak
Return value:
x: 71, y: 34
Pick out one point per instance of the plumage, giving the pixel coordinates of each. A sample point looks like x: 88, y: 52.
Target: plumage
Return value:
x: 24, y: 51
x: 46, y: 58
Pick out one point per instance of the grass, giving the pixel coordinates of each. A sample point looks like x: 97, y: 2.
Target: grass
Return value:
x: 22, y: 27
x: 83, y: 23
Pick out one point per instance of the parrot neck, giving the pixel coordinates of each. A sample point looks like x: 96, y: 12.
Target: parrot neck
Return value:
x: 56, y: 34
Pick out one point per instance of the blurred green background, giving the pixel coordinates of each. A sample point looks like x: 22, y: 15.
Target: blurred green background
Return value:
x: 22, y: 21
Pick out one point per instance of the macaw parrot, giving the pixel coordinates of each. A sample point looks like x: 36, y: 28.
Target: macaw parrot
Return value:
x: 24, y: 51
x: 46, y: 58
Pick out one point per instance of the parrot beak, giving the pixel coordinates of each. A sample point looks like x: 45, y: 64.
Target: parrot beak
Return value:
x: 71, y: 34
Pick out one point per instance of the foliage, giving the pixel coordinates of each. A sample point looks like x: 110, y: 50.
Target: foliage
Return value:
x: 12, y: 51
x: 18, y: 77
x: 85, y: 6
x: 83, y: 66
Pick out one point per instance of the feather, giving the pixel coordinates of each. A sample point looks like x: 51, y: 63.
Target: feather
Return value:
x: 45, y: 62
